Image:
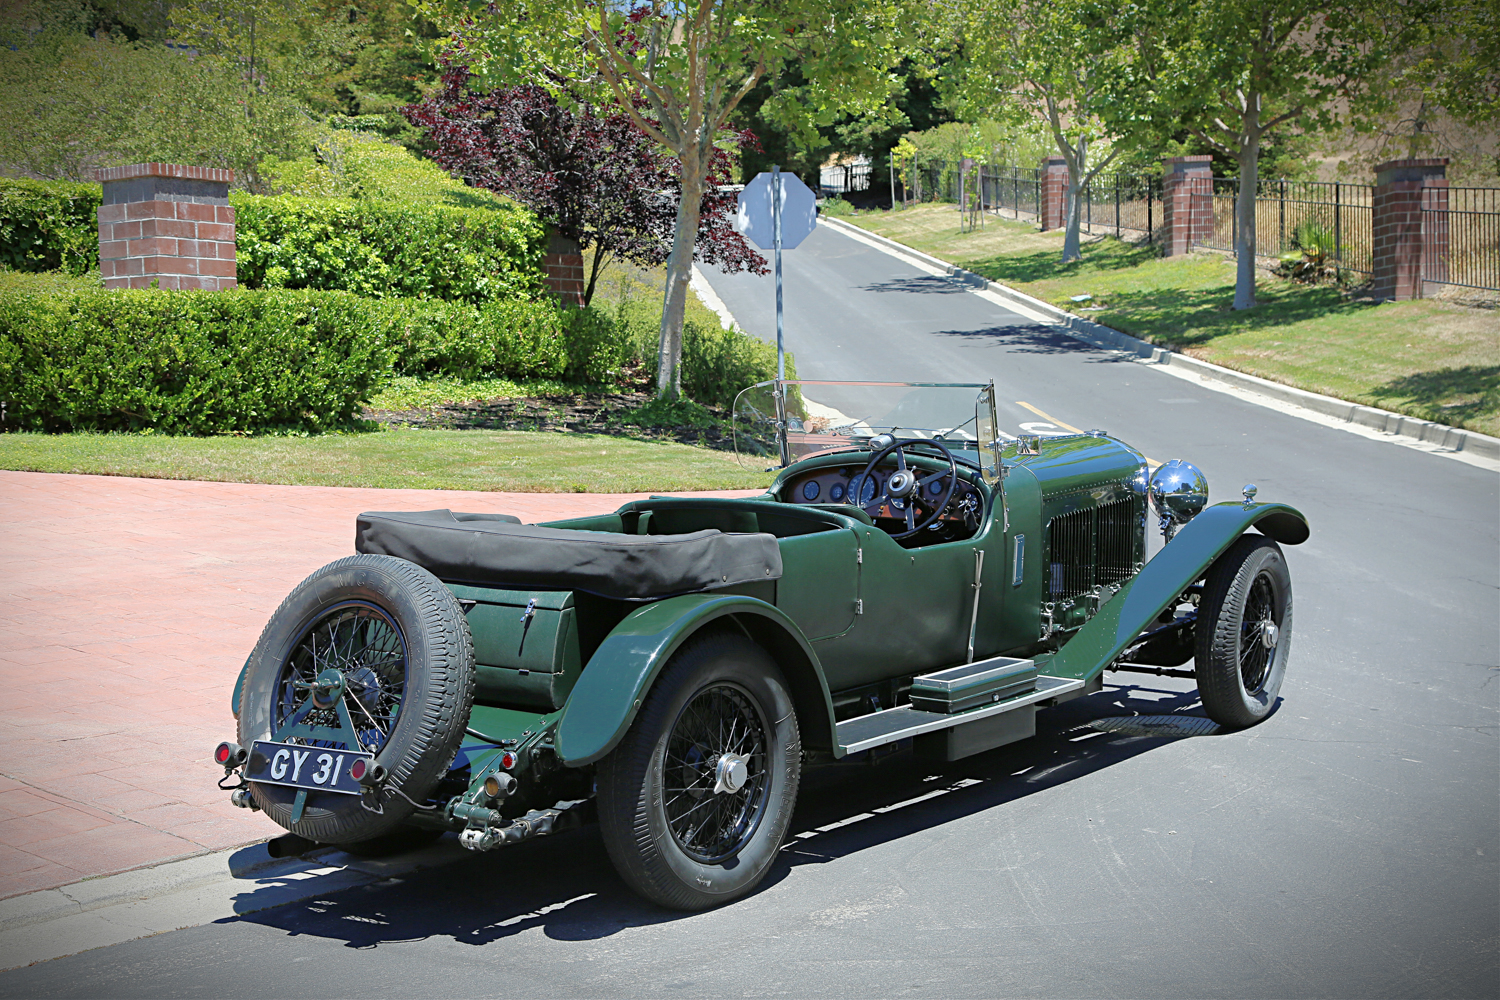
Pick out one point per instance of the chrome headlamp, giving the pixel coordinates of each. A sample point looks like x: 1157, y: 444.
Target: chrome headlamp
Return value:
x: 1178, y: 491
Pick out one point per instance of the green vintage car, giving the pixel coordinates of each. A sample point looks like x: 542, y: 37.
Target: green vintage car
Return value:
x: 913, y: 576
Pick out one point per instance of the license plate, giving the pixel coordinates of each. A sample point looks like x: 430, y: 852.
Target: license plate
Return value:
x: 304, y: 767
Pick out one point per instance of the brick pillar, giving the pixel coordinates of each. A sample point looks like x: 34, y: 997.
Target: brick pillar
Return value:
x: 167, y: 224
x: 1409, y: 245
x: 1054, y: 192
x: 1187, y: 193
x: 563, y: 268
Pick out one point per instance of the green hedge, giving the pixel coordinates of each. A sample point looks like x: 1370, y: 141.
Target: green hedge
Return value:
x: 372, y: 248
x: 49, y: 226
x: 245, y: 360
x: 379, y: 249
x: 186, y: 362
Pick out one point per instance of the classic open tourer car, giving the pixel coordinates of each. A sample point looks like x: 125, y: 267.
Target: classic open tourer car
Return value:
x: 913, y: 576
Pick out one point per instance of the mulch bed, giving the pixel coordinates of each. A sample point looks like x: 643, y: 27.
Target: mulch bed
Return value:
x: 606, y: 413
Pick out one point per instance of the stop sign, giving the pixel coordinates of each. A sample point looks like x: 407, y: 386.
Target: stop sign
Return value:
x: 799, y: 212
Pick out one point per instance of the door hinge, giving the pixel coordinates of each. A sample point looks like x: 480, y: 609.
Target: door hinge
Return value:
x: 859, y: 606
x: 859, y: 557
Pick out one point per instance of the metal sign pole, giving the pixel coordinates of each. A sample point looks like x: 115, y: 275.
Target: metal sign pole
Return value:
x: 776, y: 237
x: 786, y: 458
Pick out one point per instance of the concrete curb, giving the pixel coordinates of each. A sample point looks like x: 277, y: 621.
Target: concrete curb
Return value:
x: 1439, y: 435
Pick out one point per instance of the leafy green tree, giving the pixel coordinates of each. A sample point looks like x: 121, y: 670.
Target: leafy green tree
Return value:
x: 1231, y: 71
x: 1040, y: 60
x: 679, y: 68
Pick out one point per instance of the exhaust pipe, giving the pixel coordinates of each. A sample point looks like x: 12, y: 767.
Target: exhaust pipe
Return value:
x: 289, y: 846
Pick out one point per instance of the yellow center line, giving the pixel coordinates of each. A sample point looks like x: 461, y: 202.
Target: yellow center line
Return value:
x: 1153, y: 463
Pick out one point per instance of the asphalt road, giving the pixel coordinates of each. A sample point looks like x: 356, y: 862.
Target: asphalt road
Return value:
x: 1347, y: 847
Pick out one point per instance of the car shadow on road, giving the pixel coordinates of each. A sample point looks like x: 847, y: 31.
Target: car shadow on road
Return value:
x: 566, y: 886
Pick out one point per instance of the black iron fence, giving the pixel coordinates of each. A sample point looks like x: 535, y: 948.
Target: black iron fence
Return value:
x: 1122, y: 204
x: 1463, y: 226
x: 1290, y: 213
x: 845, y: 177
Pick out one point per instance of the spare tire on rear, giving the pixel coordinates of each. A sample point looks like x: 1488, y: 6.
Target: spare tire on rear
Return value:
x: 402, y: 659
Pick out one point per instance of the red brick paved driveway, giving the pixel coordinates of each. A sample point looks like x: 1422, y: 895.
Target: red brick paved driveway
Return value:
x: 127, y: 607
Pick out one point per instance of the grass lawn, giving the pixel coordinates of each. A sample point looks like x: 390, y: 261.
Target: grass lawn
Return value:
x: 514, y: 461
x: 1429, y: 358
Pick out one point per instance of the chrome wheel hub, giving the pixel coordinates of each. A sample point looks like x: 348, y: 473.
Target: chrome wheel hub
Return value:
x: 1269, y: 634
x: 731, y: 773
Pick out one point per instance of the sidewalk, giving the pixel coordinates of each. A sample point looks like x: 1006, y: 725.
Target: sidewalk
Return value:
x: 127, y: 607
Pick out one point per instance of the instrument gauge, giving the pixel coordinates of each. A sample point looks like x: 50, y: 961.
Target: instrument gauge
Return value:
x: 836, y: 492
x: 810, y: 490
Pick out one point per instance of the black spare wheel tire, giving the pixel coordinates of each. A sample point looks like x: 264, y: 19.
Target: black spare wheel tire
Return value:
x: 1244, y: 632
x: 376, y: 643
x: 695, y: 800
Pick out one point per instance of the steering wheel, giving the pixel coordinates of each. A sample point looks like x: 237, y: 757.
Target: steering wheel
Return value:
x: 903, y: 489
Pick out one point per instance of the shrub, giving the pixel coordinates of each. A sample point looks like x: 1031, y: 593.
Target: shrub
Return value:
x: 49, y: 226
x: 397, y: 250
x: 73, y: 358
x: 716, y: 363
x: 187, y: 362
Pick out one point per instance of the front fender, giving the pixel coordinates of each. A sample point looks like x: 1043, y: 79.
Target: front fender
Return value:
x: 1181, y: 562
x: 610, y: 689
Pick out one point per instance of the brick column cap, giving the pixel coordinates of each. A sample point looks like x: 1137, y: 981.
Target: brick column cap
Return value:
x: 1392, y: 171
x: 1054, y: 161
x: 178, y: 170
x: 1182, y: 164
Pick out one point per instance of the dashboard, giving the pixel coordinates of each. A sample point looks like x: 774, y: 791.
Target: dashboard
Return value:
x: 846, y: 485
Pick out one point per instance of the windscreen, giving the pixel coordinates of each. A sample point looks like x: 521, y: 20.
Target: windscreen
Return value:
x: 777, y: 423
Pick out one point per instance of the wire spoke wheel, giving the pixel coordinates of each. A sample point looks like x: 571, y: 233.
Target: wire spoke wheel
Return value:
x: 355, y: 656
x: 695, y: 799
x: 719, y: 724
x: 370, y: 654
x: 1243, y: 634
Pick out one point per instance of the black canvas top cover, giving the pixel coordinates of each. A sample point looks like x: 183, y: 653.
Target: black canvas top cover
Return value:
x: 497, y: 550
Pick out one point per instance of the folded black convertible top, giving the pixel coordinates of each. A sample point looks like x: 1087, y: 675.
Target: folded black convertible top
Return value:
x: 497, y: 550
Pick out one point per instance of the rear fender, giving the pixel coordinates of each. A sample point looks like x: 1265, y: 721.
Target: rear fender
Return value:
x: 612, y: 686
x: 1177, y: 566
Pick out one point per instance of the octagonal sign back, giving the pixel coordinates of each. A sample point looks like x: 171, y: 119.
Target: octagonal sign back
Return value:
x: 799, y: 211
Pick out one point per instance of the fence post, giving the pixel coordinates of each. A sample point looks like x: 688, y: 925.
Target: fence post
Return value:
x: 1281, y: 240
x: 166, y: 225
x: 1117, y: 206
x: 1054, y: 187
x: 1338, y: 235
x: 1187, y: 194
x: 1150, y: 227
x: 1410, y: 243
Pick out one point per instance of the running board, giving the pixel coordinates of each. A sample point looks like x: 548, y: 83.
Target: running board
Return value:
x: 892, y: 724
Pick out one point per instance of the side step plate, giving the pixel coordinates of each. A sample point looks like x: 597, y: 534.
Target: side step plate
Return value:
x: 892, y: 724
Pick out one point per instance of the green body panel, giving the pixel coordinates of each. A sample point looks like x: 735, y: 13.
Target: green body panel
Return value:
x: 605, y: 699
x: 1010, y: 617
x: 819, y: 582
x: 1178, y: 565
x: 520, y: 662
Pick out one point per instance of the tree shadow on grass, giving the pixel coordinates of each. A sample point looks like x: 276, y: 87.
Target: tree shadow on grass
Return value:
x: 1190, y: 317
x: 1044, y: 265
x: 1446, y: 395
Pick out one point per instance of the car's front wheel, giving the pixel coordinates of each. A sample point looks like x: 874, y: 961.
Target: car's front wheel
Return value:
x: 695, y: 800
x: 1244, y: 632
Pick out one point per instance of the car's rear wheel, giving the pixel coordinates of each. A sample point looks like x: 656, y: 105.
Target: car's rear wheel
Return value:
x: 369, y: 655
x: 1244, y: 632
x: 697, y: 797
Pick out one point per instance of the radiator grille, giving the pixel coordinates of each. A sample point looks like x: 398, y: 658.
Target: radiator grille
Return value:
x: 1089, y: 547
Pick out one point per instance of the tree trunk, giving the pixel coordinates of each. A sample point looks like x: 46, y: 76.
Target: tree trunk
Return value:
x: 1077, y: 171
x: 1244, y: 211
x: 679, y: 271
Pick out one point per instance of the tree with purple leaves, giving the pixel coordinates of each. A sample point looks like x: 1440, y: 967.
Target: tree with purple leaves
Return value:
x: 595, y: 177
